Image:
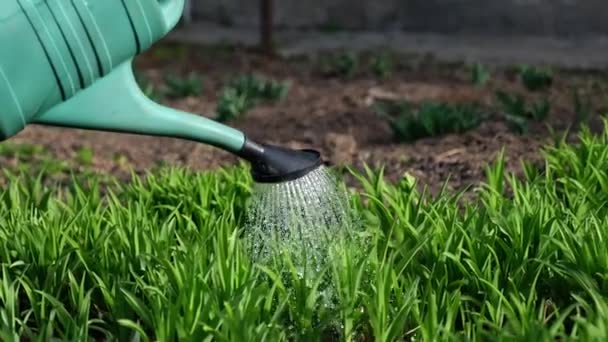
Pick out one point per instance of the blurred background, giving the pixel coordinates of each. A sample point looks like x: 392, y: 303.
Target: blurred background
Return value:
x: 448, y: 27
x: 432, y: 88
x: 544, y: 17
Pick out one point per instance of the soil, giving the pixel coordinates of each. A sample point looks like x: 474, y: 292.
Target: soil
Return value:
x: 332, y: 114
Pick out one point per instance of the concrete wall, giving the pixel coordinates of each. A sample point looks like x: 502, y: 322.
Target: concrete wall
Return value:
x: 535, y: 17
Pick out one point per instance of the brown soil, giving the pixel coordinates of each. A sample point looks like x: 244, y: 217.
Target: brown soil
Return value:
x: 331, y: 114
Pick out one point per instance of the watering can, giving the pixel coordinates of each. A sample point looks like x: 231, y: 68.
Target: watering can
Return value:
x: 68, y: 63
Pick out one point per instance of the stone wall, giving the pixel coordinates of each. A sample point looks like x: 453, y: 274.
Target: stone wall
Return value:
x: 530, y: 17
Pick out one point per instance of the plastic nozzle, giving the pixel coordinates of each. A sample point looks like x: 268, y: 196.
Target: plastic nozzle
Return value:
x: 274, y: 164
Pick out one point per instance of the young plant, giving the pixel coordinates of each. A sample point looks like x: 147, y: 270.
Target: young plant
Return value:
x: 536, y: 79
x: 582, y: 109
x: 84, y: 155
x: 246, y: 92
x: 256, y: 88
x: 518, y: 112
x: 430, y: 119
x: 19, y: 151
x: 344, y: 65
x: 480, y: 75
x: 382, y: 66
x: 232, y: 105
x: 180, y: 87
x: 540, y: 110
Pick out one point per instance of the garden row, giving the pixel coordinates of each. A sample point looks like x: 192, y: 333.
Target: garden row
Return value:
x: 408, y: 120
x: 160, y: 259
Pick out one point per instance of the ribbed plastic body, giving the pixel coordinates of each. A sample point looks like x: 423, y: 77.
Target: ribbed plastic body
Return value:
x: 68, y: 63
x: 52, y: 49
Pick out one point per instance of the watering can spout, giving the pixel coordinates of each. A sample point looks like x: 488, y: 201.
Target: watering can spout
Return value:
x: 117, y: 104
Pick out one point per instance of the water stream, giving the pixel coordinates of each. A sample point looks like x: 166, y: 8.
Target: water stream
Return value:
x: 303, y: 218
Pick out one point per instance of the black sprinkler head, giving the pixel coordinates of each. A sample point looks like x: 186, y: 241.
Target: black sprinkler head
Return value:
x: 274, y: 164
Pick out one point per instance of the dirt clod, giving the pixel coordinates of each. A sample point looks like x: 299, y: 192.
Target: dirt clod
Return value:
x: 342, y: 147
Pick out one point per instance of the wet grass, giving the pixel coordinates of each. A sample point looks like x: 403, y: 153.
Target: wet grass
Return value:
x: 160, y: 258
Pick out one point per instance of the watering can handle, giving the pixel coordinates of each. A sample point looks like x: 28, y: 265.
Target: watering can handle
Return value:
x: 172, y: 11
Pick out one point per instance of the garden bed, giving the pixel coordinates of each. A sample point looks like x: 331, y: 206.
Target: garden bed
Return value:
x: 332, y: 113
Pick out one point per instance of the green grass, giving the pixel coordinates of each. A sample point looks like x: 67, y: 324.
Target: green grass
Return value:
x: 30, y: 159
x: 19, y: 151
x: 160, y: 259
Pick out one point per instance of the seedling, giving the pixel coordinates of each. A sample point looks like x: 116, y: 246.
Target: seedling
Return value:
x: 343, y: 65
x: 540, y: 110
x: 536, y: 79
x: 480, y: 75
x: 582, y: 108
x: 256, y: 88
x: 11, y: 150
x: 121, y: 160
x: 382, y: 66
x: 232, y: 105
x: 178, y: 87
x: 30, y: 158
x: 246, y: 92
x: 517, y: 113
x: 430, y: 119
x: 84, y: 155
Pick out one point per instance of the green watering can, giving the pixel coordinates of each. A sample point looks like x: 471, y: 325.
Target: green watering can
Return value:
x: 69, y: 63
